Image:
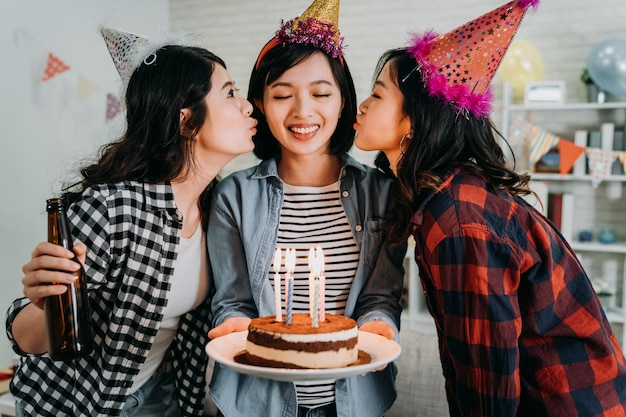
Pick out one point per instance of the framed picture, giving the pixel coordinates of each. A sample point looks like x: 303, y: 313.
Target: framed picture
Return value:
x: 544, y: 92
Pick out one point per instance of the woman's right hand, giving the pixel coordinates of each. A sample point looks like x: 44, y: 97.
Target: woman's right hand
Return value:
x: 50, y: 264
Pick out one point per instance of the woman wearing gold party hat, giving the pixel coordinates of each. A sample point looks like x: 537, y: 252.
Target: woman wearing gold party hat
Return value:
x: 307, y: 191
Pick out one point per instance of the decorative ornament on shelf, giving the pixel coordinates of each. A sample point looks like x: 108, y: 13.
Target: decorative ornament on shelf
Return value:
x: 594, y: 93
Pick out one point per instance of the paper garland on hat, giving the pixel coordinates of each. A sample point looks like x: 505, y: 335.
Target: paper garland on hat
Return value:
x: 85, y: 88
x: 542, y: 141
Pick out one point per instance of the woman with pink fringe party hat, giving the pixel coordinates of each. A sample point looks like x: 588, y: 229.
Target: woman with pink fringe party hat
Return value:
x: 521, y: 330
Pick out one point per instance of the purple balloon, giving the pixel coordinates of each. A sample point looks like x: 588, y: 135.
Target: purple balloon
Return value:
x: 606, y: 64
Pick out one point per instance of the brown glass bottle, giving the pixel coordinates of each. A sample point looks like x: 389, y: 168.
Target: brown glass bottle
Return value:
x: 68, y: 319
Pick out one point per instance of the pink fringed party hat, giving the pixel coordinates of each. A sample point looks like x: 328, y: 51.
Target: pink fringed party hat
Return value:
x: 317, y: 26
x: 458, y: 66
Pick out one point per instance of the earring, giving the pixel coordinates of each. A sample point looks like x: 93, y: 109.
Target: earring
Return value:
x: 406, y: 136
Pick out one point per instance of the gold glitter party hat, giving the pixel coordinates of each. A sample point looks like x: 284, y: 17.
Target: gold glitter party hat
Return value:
x: 318, y: 25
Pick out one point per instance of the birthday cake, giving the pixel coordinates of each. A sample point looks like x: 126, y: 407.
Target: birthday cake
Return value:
x: 332, y: 344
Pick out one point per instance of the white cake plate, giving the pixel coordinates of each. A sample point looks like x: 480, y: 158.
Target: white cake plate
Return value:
x: 381, y: 350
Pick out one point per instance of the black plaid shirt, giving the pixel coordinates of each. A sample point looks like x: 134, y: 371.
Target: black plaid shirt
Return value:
x: 132, y: 232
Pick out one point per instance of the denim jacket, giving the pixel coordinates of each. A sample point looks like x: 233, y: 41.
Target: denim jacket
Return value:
x: 243, y: 227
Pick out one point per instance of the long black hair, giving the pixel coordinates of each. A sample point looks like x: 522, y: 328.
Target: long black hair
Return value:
x: 155, y: 147
x: 274, y: 64
x: 442, y: 140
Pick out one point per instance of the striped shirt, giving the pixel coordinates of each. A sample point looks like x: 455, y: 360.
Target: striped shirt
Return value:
x: 313, y: 216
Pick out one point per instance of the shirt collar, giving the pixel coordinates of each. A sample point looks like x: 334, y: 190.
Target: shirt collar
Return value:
x: 418, y: 215
x: 159, y: 196
x: 269, y: 167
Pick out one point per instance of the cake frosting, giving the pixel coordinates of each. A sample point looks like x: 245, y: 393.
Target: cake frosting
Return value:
x: 332, y: 344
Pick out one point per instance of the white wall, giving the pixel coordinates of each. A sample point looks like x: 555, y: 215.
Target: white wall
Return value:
x: 46, y: 132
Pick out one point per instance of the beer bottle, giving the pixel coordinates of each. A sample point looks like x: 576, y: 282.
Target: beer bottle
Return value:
x: 68, y: 319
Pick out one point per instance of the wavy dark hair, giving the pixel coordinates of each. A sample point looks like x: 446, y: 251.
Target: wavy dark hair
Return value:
x: 442, y: 140
x: 274, y: 64
x: 155, y: 147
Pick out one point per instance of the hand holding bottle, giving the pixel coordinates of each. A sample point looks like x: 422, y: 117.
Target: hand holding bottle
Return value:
x: 50, y: 264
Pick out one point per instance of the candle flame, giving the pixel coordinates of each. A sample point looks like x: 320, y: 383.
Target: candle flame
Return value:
x: 278, y: 254
x: 319, y: 254
x: 290, y: 260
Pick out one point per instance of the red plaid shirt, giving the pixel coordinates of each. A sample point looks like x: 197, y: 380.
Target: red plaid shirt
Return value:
x: 522, y: 333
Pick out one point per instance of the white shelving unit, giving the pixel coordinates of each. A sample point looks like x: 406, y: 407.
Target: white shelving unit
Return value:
x: 594, y: 209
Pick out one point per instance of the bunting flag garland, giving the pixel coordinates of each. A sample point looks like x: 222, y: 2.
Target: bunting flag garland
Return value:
x: 541, y: 141
x: 114, y: 106
x: 569, y: 153
x: 599, y: 164
x: 54, y: 66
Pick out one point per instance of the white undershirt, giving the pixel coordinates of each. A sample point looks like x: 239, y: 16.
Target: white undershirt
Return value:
x: 189, y: 286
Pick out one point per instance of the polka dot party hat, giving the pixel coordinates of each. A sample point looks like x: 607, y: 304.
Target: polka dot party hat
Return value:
x: 129, y: 50
x: 125, y: 50
x: 458, y: 66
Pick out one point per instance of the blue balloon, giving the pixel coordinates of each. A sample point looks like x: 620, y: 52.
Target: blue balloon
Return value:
x: 607, y: 66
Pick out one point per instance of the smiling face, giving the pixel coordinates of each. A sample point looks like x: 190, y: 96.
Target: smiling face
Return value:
x: 302, y: 107
x: 381, y: 122
x: 228, y: 128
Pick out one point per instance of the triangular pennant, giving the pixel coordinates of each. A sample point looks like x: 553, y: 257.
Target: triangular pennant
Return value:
x: 519, y: 130
x: 85, y: 88
x: 569, y: 153
x: 541, y: 142
x: 114, y: 106
x: 599, y: 164
x: 54, y: 66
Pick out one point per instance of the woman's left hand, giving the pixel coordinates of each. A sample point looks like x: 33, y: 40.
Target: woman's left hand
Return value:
x: 381, y: 328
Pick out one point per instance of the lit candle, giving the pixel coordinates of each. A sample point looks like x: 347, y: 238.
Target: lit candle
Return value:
x: 290, y: 265
x: 312, y: 270
x: 316, y: 289
x: 289, y: 300
x: 322, y: 284
x: 277, y: 261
